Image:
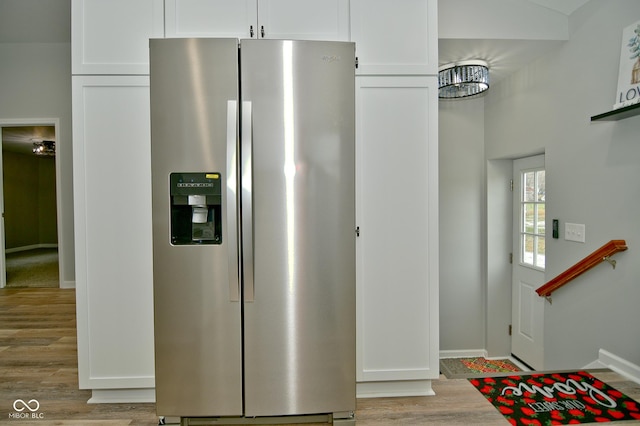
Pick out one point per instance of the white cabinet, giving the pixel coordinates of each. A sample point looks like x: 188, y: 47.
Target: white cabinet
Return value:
x: 112, y: 190
x: 397, y: 195
x: 112, y: 37
x: 275, y: 19
x: 395, y: 37
x: 397, y: 250
x: 397, y: 167
x: 210, y: 18
x: 304, y: 19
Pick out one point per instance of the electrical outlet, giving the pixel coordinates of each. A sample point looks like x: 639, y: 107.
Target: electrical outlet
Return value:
x: 574, y: 232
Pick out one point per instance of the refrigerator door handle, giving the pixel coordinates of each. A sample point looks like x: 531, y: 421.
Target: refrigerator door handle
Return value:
x: 247, y: 215
x: 232, y: 201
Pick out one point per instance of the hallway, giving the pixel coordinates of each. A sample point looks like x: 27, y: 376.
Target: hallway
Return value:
x: 33, y: 268
x: 38, y: 361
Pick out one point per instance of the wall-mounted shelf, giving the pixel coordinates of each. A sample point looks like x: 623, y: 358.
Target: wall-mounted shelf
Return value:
x: 618, y: 114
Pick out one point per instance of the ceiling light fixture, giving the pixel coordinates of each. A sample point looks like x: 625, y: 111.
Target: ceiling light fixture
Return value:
x: 46, y: 148
x: 462, y: 79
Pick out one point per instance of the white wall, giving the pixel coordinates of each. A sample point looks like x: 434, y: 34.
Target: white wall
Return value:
x: 593, y: 177
x: 461, y: 180
x: 35, y: 82
x: 499, y: 244
x: 517, y: 19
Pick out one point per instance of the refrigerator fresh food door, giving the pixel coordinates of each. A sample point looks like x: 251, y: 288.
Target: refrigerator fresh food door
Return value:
x: 298, y: 207
x: 198, y: 327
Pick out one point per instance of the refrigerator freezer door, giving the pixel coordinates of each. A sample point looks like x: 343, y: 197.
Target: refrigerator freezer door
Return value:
x: 300, y: 323
x: 194, y: 94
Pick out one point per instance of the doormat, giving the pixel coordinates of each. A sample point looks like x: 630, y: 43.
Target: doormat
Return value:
x: 556, y: 399
x: 463, y: 368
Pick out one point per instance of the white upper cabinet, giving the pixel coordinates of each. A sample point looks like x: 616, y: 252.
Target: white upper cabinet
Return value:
x: 112, y: 37
x: 275, y: 19
x: 210, y: 18
x: 395, y: 37
x: 304, y: 19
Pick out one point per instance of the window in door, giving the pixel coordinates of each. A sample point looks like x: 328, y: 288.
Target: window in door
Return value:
x: 532, y: 219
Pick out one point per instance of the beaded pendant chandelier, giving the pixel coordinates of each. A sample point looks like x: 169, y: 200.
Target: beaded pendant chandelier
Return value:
x: 462, y: 79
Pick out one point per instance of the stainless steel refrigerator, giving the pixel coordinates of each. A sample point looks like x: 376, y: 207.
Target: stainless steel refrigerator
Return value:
x: 253, y: 177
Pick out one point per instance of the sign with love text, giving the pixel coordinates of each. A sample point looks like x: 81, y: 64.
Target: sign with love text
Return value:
x: 556, y: 399
x: 629, y: 71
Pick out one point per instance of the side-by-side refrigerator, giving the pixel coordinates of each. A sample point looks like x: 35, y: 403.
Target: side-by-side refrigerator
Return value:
x: 253, y: 177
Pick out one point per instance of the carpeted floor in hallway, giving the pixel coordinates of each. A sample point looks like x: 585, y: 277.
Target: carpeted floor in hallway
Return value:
x: 33, y: 268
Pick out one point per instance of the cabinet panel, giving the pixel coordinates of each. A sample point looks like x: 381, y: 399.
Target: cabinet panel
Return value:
x: 395, y: 37
x: 397, y: 213
x: 112, y: 37
x: 304, y: 19
x: 112, y: 192
x: 275, y: 19
x: 210, y: 18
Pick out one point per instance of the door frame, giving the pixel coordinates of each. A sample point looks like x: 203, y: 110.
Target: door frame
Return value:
x: 527, y: 340
x: 498, y: 243
x: 17, y: 122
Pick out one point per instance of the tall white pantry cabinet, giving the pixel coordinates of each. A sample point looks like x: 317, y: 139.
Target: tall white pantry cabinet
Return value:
x: 397, y: 177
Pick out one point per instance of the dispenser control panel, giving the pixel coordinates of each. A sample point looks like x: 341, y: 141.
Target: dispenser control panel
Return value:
x: 196, y: 208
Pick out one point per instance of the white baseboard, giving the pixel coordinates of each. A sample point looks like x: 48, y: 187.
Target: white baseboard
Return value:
x: 114, y: 396
x: 474, y: 353
x: 394, y: 389
x: 597, y: 364
x: 468, y: 353
x: 68, y: 284
x: 621, y: 366
x: 31, y: 247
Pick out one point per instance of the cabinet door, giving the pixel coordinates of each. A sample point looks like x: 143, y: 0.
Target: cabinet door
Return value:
x: 211, y: 18
x: 395, y: 37
x: 112, y: 37
x: 112, y: 215
x: 397, y: 213
x: 304, y: 19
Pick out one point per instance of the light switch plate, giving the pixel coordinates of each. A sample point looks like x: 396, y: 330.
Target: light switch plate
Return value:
x: 574, y: 232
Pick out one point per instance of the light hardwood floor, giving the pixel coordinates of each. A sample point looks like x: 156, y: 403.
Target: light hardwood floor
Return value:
x: 38, y: 360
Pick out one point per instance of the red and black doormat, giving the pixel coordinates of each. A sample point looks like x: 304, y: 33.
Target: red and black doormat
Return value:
x: 556, y: 399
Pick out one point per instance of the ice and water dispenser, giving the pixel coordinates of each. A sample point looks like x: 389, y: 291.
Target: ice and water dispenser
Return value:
x: 196, y: 208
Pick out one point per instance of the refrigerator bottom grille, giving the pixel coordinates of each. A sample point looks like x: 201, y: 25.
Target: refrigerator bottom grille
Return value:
x: 343, y: 419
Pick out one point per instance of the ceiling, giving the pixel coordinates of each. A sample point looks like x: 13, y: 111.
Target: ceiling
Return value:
x: 509, y: 54
x: 49, y: 21
x: 20, y: 139
x: 566, y: 7
x: 503, y: 56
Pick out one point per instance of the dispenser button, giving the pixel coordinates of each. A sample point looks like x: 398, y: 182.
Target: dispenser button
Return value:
x: 197, y: 200
x: 200, y: 215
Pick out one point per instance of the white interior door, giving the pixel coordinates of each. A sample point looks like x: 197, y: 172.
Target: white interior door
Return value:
x: 527, y: 341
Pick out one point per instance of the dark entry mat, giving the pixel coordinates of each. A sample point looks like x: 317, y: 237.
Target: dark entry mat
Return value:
x: 556, y: 399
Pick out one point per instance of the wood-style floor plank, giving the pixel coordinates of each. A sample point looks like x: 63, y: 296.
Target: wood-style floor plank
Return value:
x: 38, y: 360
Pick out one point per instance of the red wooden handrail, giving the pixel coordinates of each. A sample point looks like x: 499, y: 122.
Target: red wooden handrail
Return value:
x: 600, y: 255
